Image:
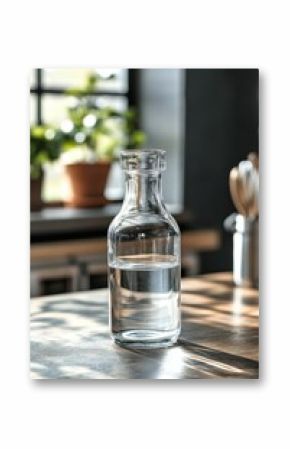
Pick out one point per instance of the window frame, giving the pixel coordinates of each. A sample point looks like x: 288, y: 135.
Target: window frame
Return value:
x: 39, y: 90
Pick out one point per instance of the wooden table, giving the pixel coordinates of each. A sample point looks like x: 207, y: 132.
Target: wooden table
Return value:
x: 219, y: 339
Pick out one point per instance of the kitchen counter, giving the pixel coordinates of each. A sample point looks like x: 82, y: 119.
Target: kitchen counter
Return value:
x: 219, y: 339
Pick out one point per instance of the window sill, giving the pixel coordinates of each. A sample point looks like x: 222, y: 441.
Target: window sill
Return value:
x: 53, y: 223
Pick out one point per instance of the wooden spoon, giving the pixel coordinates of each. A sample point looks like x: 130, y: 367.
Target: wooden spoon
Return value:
x: 248, y: 185
x: 254, y: 158
x: 235, y: 189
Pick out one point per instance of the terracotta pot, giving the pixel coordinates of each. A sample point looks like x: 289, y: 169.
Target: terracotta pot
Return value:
x: 86, y: 184
x: 35, y: 194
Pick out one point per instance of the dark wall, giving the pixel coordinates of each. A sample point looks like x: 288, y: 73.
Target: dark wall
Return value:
x: 222, y: 118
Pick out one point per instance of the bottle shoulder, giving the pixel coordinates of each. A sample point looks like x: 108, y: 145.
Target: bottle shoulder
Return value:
x: 144, y: 221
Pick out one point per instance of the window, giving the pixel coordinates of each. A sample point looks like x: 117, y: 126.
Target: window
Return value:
x: 50, y: 98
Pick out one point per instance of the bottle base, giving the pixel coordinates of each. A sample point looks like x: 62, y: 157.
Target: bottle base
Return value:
x: 145, y: 339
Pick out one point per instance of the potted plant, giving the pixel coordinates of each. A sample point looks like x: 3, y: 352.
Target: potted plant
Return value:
x: 91, y: 137
x: 44, y: 147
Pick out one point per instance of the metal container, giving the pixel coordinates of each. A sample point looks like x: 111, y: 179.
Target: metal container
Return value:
x: 245, y: 249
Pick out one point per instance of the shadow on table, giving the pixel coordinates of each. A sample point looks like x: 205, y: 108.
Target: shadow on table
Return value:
x: 75, y: 351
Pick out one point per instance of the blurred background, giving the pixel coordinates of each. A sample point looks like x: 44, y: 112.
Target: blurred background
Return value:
x: 206, y: 120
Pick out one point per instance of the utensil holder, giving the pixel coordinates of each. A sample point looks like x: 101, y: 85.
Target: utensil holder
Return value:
x: 245, y: 249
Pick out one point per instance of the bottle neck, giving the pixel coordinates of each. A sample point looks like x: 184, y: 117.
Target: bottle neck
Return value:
x: 143, y: 191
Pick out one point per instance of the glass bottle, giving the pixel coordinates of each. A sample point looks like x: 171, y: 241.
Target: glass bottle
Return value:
x: 144, y: 258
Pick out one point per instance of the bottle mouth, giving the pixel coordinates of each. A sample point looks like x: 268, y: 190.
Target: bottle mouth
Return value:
x: 143, y: 161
